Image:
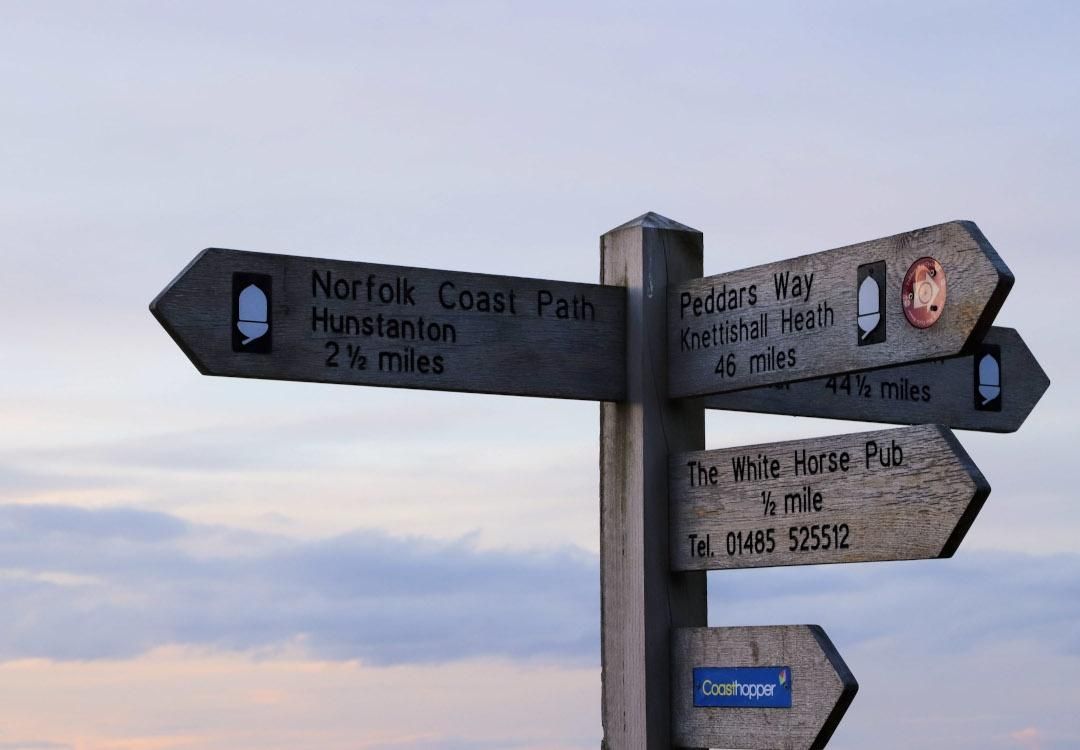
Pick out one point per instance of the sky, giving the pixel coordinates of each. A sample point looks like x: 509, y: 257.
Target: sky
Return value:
x: 196, y: 562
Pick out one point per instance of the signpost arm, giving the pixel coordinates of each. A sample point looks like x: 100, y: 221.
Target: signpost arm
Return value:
x: 642, y: 601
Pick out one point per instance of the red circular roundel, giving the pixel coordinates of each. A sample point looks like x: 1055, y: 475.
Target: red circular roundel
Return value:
x: 923, y: 292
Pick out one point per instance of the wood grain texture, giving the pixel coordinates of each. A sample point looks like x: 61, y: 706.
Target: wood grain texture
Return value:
x: 641, y: 599
x: 526, y: 350
x: 822, y: 688
x: 977, y: 282
x: 918, y: 507
x: 935, y: 392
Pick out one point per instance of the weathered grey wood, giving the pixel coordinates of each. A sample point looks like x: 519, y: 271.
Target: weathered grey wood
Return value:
x: 527, y: 349
x: 822, y: 687
x: 940, y: 391
x: 977, y: 282
x: 919, y: 507
x: 641, y: 599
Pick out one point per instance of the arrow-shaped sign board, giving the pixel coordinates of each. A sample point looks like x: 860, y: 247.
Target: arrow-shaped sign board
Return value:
x: 902, y: 494
x: 757, y: 687
x: 925, y: 294
x: 258, y: 315
x: 993, y: 389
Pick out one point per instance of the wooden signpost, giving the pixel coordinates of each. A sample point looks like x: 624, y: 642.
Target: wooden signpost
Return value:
x: 284, y: 317
x: 993, y: 389
x: 641, y: 599
x: 903, y: 494
x: 652, y: 333
x: 920, y: 295
x: 758, y: 688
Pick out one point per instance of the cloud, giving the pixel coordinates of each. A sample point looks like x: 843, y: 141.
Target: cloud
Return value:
x: 18, y: 521
x: 1030, y: 738
x: 88, y: 584
x: 254, y: 438
x: 117, y: 582
x: 945, y: 606
x: 15, y: 482
x: 216, y: 701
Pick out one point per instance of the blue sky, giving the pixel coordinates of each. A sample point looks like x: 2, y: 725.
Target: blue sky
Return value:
x: 198, y: 562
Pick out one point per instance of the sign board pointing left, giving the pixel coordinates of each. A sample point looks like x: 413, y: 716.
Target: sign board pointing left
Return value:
x: 757, y: 688
x: 283, y: 317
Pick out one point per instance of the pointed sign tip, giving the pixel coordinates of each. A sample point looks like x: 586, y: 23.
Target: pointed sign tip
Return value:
x: 1002, y: 286
x: 160, y: 309
x: 1034, y: 377
x: 849, y: 686
x: 980, y: 492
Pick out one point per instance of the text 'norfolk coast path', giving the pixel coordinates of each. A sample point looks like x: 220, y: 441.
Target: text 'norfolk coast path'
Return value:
x: 283, y: 317
x: 924, y: 294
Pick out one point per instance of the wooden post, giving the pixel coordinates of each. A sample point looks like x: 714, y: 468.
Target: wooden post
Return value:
x: 641, y: 599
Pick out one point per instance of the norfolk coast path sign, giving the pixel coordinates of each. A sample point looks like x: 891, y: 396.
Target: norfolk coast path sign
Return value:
x: 902, y: 494
x: 283, y: 317
x: 925, y: 294
x: 993, y: 389
x: 758, y: 688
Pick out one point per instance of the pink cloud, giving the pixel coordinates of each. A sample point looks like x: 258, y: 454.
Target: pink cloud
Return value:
x: 1027, y: 738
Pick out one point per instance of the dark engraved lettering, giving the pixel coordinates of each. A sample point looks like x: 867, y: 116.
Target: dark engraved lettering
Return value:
x: 498, y: 302
x: 720, y: 300
x: 772, y: 359
x: 408, y: 360
x: 325, y: 321
x: 754, y: 468
x: 788, y: 285
x: 887, y: 457
x: 797, y: 321
x: 372, y: 290
x: 702, y: 475
x: 825, y: 462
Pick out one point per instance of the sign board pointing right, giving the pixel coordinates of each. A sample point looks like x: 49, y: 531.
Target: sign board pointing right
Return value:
x: 992, y: 389
x: 757, y: 688
x: 926, y: 294
x: 285, y: 317
x: 902, y: 494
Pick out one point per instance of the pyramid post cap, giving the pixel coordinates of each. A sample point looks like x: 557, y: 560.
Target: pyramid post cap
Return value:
x: 652, y: 220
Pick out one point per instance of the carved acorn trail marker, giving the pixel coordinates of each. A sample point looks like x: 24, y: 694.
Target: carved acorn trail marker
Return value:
x: 915, y: 296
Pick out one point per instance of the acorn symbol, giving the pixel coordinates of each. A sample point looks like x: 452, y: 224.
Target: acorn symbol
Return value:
x: 869, y: 312
x: 989, y: 378
x: 252, y: 314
